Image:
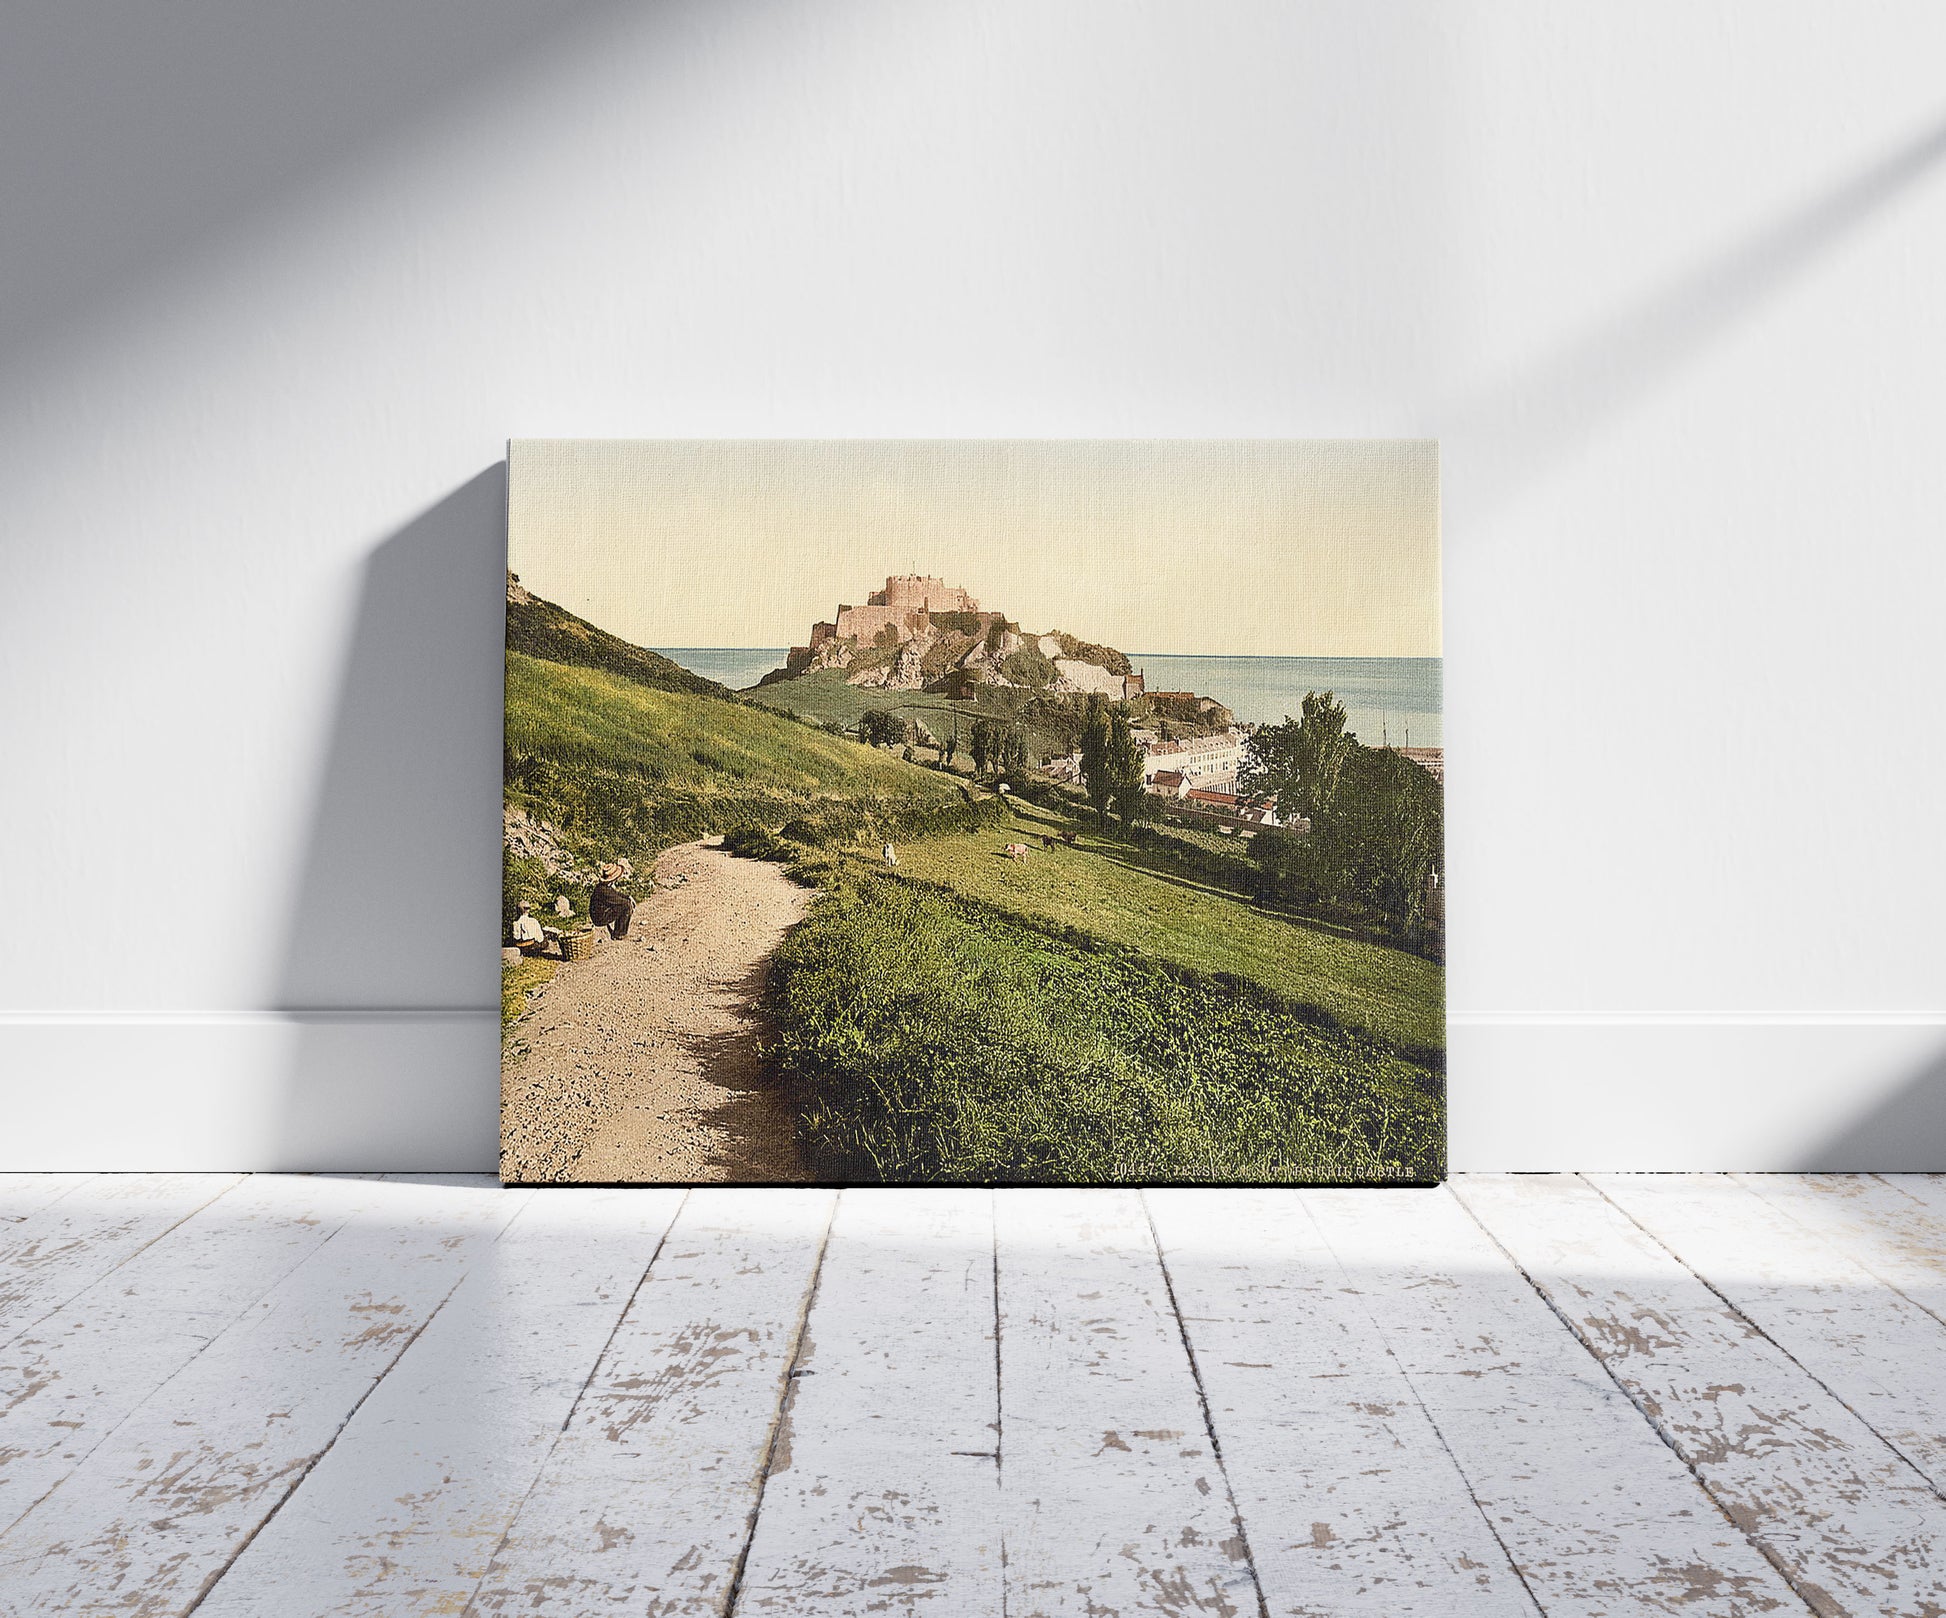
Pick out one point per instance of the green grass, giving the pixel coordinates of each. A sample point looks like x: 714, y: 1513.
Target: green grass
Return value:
x: 622, y: 770
x: 541, y: 629
x: 929, y: 1039
x: 824, y: 695
x: 674, y: 741
x: 1107, y: 889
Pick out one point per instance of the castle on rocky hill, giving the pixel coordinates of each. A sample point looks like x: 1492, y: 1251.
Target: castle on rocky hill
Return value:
x: 906, y: 605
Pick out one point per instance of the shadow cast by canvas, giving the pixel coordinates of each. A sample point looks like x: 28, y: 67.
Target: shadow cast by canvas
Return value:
x: 389, y: 954
x: 1904, y: 1134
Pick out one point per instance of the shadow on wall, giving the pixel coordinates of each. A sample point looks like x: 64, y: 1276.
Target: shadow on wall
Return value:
x: 1906, y: 1133
x: 390, y: 972
x: 1515, y: 433
x: 135, y: 139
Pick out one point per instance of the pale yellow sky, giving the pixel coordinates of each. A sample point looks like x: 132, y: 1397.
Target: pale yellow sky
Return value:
x: 1258, y: 547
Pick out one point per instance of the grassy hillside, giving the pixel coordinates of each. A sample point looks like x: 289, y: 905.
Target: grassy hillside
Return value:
x: 929, y: 1039
x: 622, y: 770
x: 673, y: 742
x: 824, y: 695
x: 537, y: 628
x: 1105, y: 888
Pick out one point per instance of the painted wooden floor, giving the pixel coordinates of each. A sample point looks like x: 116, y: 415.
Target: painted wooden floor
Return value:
x: 1564, y: 1395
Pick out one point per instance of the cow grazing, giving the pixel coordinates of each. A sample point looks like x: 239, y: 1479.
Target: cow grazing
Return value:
x: 1047, y: 842
x: 1070, y: 839
x: 1016, y: 851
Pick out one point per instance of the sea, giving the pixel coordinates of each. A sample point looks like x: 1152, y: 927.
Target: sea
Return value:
x: 1386, y: 699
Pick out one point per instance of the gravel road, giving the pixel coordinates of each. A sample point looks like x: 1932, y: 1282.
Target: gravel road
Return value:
x: 640, y: 1064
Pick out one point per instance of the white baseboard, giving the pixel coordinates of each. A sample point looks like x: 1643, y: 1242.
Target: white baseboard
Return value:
x: 250, y: 1090
x: 419, y: 1090
x: 1807, y: 1092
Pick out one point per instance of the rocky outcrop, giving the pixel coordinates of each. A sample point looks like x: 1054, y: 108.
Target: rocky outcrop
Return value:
x: 531, y: 839
x: 920, y: 633
x: 905, y: 672
x: 1073, y: 678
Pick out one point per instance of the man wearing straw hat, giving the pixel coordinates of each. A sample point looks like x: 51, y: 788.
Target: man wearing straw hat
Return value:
x: 608, y: 906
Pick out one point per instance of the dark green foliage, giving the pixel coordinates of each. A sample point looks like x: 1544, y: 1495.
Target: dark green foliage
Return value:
x: 871, y: 821
x: 526, y: 880
x: 1084, y: 651
x: 1300, y: 761
x: 1123, y: 762
x: 1377, y: 821
x: 1111, y: 765
x: 880, y: 728
x: 981, y: 745
x: 540, y: 629
x: 1026, y: 665
x: 753, y: 842
x: 932, y: 1039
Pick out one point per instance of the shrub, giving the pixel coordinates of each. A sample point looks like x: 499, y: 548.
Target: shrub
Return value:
x: 752, y: 842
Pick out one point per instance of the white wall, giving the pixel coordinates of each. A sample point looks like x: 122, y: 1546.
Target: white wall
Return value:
x: 279, y: 281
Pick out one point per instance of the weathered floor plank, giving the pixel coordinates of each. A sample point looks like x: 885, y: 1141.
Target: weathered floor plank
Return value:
x: 1894, y: 1224
x: 67, y: 1244
x: 883, y: 1495
x: 1875, y: 1350
x: 158, y: 1509
x: 22, y: 1194
x: 308, y: 1396
x: 1598, y: 1515
x: 646, y: 1502
x: 1351, y: 1502
x: 72, y: 1378
x: 1113, y: 1499
x: 403, y: 1513
x: 1848, y: 1519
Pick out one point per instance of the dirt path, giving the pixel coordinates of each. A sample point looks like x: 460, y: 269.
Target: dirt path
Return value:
x: 641, y: 1062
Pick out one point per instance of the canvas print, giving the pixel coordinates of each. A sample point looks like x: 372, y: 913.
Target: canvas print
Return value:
x: 967, y: 812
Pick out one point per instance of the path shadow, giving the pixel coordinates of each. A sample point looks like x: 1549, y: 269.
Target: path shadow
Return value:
x: 756, y: 1116
x: 389, y: 964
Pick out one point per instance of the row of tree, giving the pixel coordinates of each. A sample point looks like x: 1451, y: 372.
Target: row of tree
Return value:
x: 1111, y: 765
x: 995, y: 747
x: 1377, y: 834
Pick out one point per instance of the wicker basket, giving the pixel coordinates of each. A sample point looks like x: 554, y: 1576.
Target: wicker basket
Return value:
x: 578, y: 946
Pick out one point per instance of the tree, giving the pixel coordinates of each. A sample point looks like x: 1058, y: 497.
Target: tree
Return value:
x: 1299, y: 762
x: 1374, y: 842
x: 880, y: 728
x: 1095, y: 733
x: 981, y: 745
x: 1111, y: 766
x: 1010, y: 752
x: 1123, y: 763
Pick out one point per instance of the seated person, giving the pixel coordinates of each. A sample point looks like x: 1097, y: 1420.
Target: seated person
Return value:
x: 608, y: 906
x: 529, y: 935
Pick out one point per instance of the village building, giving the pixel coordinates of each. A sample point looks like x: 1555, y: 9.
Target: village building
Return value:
x: 1204, y: 761
x: 1168, y: 783
x: 1430, y: 759
x: 1229, y: 811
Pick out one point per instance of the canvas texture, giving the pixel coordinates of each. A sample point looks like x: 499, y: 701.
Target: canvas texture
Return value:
x: 973, y: 812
